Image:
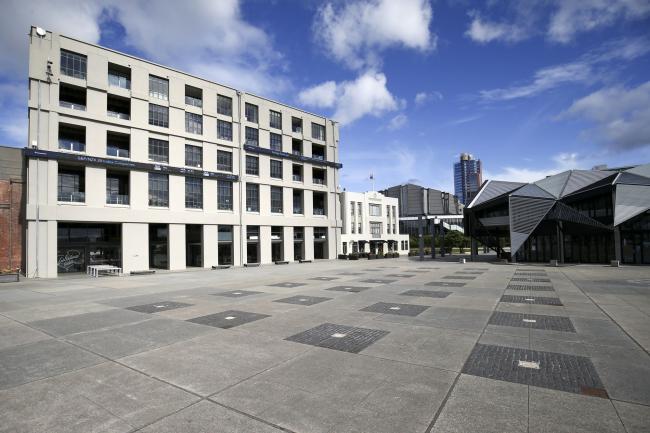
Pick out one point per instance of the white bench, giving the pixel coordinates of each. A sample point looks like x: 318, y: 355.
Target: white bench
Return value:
x: 95, y: 270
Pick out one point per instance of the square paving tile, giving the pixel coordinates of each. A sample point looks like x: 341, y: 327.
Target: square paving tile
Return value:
x: 537, y: 300
x: 426, y: 293
x: 444, y: 284
x: 527, y: 287
x: 89, y: 321
x: 458, y: 277
x: 237, y: 293
x: 303, y: 300
x: 552, y: 370
x: 531, y: 279
x: 398, y: 309
x: 228, y: 319
x: 287, y: 284
x: 399, y: 275
x: 339, y: 337
x: 324, y: 278
x: 536, y: 321
x: 377, y: 281
x: 158, y: 306
x: 530, y: 274
x: 353, y: 289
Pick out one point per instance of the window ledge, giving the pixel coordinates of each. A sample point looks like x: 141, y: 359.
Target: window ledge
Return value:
x: 71, y: 203
x: 118, y: 205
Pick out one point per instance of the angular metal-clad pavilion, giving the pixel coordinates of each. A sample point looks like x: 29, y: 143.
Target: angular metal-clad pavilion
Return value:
x: 578, y: 216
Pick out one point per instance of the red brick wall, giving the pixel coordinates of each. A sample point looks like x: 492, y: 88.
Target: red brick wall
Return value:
x: 11, y: 225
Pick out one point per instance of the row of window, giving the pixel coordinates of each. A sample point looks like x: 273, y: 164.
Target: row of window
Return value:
x: 76, y: 65
x: 356, y: 225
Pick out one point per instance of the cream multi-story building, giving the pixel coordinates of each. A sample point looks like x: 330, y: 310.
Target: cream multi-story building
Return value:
x: 141, y: 166
x: 370, y: 224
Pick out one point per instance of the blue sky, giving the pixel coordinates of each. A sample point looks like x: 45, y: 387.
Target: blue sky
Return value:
x: 531, y: 88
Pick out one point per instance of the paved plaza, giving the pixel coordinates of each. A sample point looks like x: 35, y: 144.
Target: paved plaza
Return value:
x: 393, y: 345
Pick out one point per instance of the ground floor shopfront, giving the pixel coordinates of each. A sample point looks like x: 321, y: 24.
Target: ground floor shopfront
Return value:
x: 355, y: 244
x: 58, y: 247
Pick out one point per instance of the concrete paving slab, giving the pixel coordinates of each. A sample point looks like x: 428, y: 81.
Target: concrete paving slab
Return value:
x: 88, y: 322
x: 16, y: 334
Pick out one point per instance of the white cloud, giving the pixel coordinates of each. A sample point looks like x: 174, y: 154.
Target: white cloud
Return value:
x: 621, y: 115
x: 560, y: 163
x: 422, y: 98
x: 351, y: 100
x: 397, y: 122
x: 589, y: 68
x: 483, y: 31
x: 357, y: 32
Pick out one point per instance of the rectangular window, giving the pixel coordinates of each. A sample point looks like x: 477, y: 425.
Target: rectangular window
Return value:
x: 296, y: 147
x: 251, y: 113
x: 117, y: 144
x: 252, y: 165
x: 119, y: 76
x: 117, y: 188
x: 296, y: 174
x: 158, y: 150
x: 118, y: 107
x: 158, y: 115
x: 193, y: 192
x: 352, y: 227
x: 224, y: 160
x: 193, y: 156
x: 73, y: 97
x: 276, y: 142
x: 193, y: 123
x: 318, y: 131
x: 252, y: 136
x: 296, y: 125
x: 252, y: 197
x: 375, y: 229
x: 73, y: 64
x: 224, y: 130
x: 318, y: 203
x: 193, y: 96
x: 71, y: 184
x: 276, y: 169
x: 297, y: 202
x: 375, y: 210
x: 72, y: 137
x: 352, y: 208
x: 224, y: 195
x: 318, y: 152
x: 276, y: 199
x: 158, y: 87
x: 318, y: 176
x: 224, y: 105
x: 275, y: 119
x: 158, y: 189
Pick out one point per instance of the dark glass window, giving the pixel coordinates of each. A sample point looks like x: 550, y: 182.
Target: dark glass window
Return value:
x: 193, y: 123
x: 71, y: 184
x: 276, y: 169
x: 119, y: 76
x: 72, y: 137
x: 158, y: 87
x: 158, y: 115
x: 193, y: 96
x: 224, y: 105
x: 318, y: 131
x: 276, y: 199
x: 297, y: 202
x: 224, y: 130
x: 193, y: 192
x: 224, y: 160
x: 193, y: 156
x: 73, y: 64
x: 276, y: 142
x: 275, y: 119
x: 224, y: 195
x: 252, y: 136
x: 158, y: 189
x: 252, y: 165
x: 252, y: 113
x: 252, y: 197
x: 158, y: 150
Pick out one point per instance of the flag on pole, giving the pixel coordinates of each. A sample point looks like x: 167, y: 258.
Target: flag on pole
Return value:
x: 372, y: 176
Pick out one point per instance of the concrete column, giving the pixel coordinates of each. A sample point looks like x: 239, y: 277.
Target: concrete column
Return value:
x: 135, y: 247
x: 265, y: 244
x: 237, y: 246
x: 287, y: 240
x: 210, y: 245
x: 42, y: 249
x: 177, y: 246
x: 309, y: 243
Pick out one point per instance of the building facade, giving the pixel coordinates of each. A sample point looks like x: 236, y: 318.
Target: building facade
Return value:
x: 145, y: 167
x: 578, y: 216
x: 468, y: 177
x: 370, y: 224
x: 12, y: 209
x: 433, y: 205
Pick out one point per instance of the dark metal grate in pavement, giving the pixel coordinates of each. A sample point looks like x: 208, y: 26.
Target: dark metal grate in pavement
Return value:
x: 236, y: 293
x: 537, y: 300
x: 444, y: 284
x: 287, y: 284
x: 470, y: 272
x: 158, y: 306
x: 228, y: 319
x: 303, y: 300
x: 339, y: 337
x: 377, y: 281
x: 536, y: 321
x: 397, y: 309
x: 532, y: 280
x: 399, y: 275
x: 458, y: 277
x: 552, y: 370
x: 426, y: 293
x: 531, y: 287
x: 324, y: 278
x: 353, y: 289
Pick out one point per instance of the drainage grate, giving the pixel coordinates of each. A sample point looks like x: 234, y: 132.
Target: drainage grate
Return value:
x: 527, y: 287
x: 397, y: 309
x: 377, y: 281
x: 324, y: 278
x: 399, y: 275
x: 531, y: 300
x: 444, y: 284
x: 236, y: 293
x: 426, y: 293
x: 339, y: 337
x: 536, y: 321
x: 552, y: 370
x: 470, y: 272
x: 303, y: 300
x: 532, y: 280
x: 287, y: 284
x: 458, y: 277
x: 228, y: 319
x: 353, y: 289
x: 351, y: 273
x: 158, y: 306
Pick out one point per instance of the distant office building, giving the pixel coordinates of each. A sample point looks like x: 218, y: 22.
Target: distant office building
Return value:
x: 468, y: 177
x: 433, y: 204
x: 370, y: 224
